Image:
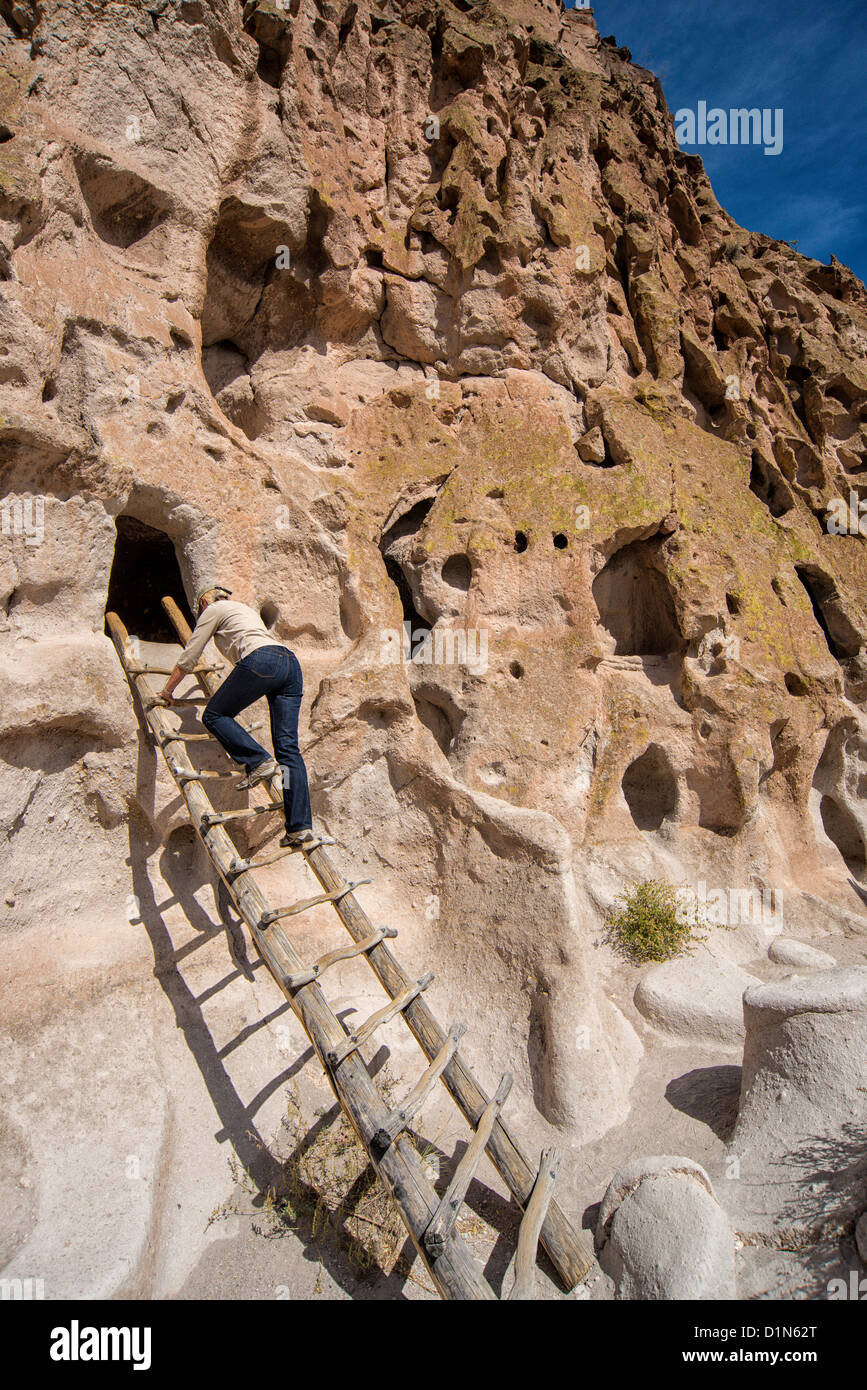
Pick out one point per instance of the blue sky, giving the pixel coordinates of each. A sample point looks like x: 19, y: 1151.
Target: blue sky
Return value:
x: 809, y: 59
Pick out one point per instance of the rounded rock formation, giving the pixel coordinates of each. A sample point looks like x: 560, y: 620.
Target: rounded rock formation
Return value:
x: 786, y: 951
x: 663, y: 1234
x: 695, y: 997
x: 804, y: 1052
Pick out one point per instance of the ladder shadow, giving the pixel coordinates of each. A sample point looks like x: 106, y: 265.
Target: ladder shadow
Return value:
x: 237, y: 1121
x: 323, y: 1245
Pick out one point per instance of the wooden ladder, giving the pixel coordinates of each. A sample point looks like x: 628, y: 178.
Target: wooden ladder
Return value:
x: 430, y: 1220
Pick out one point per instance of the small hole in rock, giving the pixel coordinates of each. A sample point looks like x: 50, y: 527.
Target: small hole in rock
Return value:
x: 269, y: 612
x: 457, y: 572
x: 733, y: 603
x: 516, y: 669
x: 794, y: 684
x: 560, y: 541
x: 520, y: 542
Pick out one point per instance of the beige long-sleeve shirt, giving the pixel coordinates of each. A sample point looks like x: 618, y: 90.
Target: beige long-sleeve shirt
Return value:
x: 236, y: 629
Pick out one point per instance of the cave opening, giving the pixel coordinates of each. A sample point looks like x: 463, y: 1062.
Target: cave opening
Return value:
x: 843, y: 830
x: 124, y: 207
x: 842, y: 638
x: 395, y: 547
x: 436, y: 719
x: 410, y: 612
x: 650, y: 789
x: 767, y: 484
x: 635, y: 603
x: 144, y: 569
x: 270, y: 66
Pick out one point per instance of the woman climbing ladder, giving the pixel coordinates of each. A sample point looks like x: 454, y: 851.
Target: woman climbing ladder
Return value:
x: 262, y: 666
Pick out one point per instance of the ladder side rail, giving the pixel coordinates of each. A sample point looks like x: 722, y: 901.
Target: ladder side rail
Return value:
x: 401, y: 1166
x: 531, y: 1224
x: 404, y: 1113
x: 443, y: 1224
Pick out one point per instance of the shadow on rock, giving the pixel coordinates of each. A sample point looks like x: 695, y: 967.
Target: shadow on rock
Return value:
x: 708, y: 1094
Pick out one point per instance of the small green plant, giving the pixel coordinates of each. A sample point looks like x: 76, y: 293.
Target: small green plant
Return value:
x: 655, y: 922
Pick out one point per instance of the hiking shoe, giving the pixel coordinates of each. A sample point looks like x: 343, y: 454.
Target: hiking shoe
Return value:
x: 262, y: 772
x: 298, y: 839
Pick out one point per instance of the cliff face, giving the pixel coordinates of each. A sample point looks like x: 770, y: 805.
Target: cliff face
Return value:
x: 417, y: 312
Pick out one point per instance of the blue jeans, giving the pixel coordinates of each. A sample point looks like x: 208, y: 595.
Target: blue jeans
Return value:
x: 274, y: 672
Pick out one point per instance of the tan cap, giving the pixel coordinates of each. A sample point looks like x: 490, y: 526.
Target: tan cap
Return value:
x: 211, y: 589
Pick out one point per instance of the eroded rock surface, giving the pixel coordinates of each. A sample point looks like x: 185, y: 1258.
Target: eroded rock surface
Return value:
x: 415, y: 312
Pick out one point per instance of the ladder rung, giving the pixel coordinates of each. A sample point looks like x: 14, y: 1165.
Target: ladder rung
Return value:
x: 405, y: 1113
x: 221, y: 817
x: 185, y: 777
x: 179, y: 737
x: 156, y: 702
x: 309, y: 845
x: 305, y: 977
x: 336, y: 1055
x: 292, y: 908
x: 136, y: 669
x: 243, y: 866
x: 442, y: 1222
x: 531, y: 1224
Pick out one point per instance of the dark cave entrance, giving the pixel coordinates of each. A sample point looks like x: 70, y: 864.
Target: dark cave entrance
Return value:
x: 841, y: 636
x: 650, y: 788
x: 635, y: 602
x: 395, y: 547
x: 144, y: 569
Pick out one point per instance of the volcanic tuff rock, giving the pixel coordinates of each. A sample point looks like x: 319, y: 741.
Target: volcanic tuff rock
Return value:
x: 662, y: 1233
x: 416, y: 311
